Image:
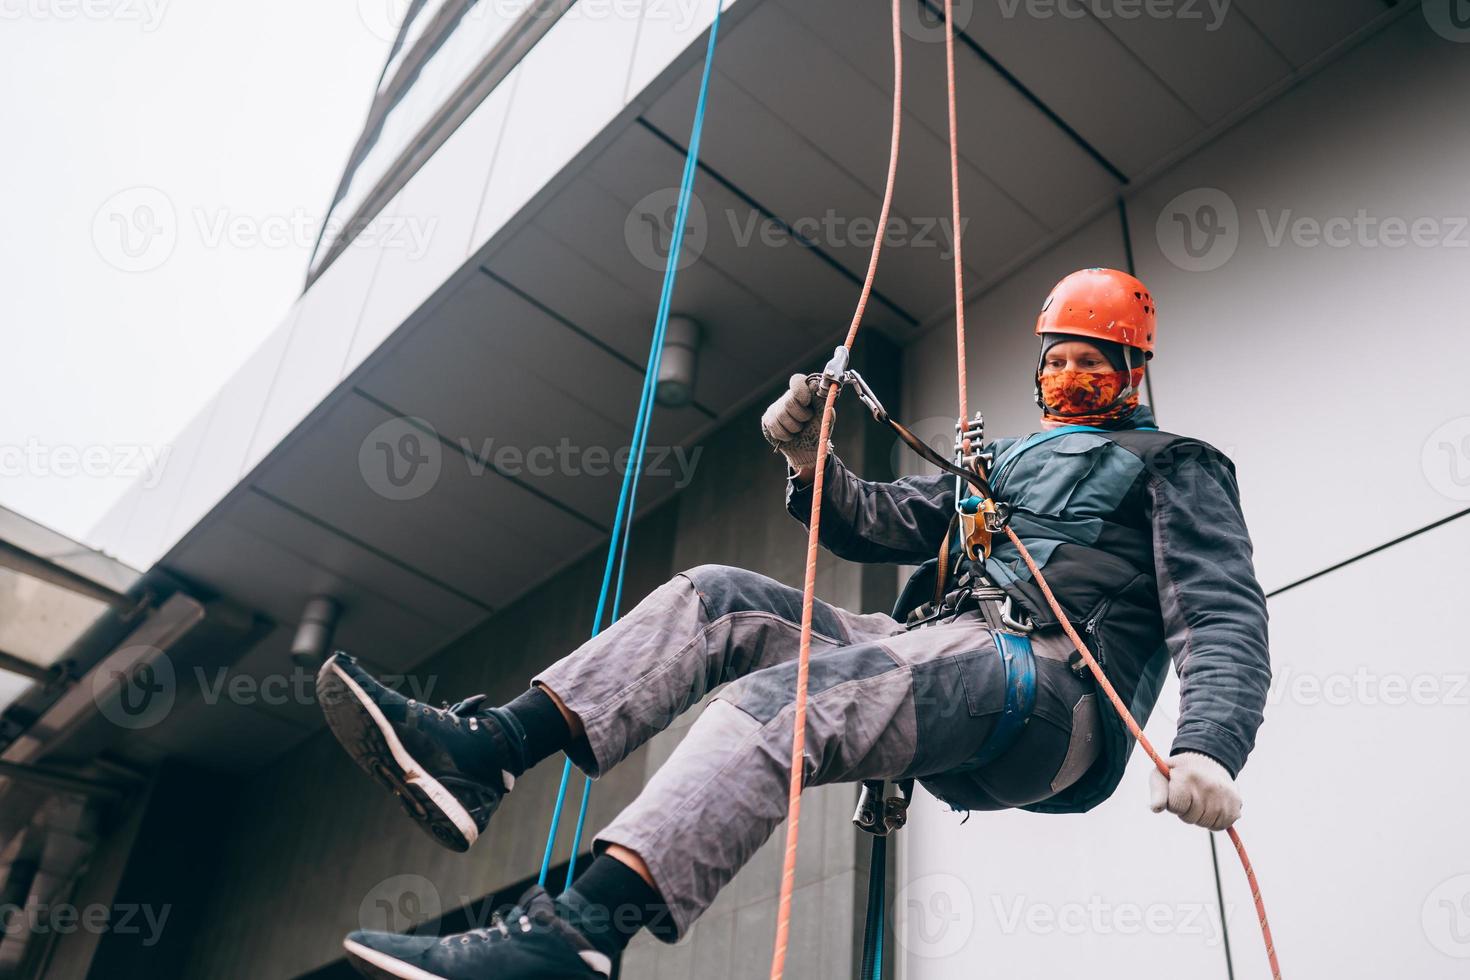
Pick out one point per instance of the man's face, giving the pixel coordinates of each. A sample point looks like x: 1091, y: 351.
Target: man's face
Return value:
x: 1074, y: 355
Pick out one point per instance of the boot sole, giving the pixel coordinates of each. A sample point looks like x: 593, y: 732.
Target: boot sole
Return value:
x: 381, y: 966
x: 369, y: 739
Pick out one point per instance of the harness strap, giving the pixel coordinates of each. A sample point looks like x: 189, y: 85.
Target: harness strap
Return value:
x: 1020, y: 665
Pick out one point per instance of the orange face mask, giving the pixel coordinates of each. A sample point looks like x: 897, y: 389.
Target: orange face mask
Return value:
x: 1088, y: 397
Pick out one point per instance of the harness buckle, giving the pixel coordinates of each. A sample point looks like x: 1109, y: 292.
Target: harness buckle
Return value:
x: 1021, y: 624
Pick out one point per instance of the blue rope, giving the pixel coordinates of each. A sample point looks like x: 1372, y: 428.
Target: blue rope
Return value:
x: 871, y: 965
x: 617, y: 552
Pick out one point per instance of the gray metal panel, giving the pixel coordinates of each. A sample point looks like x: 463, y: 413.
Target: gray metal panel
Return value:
x: 494, y: 373
x: 1211, y: 55
x: 1303, y: 29
x: 219, y: 734
x: 1089, y: 79
x: 1002, y: 133
x: 796, y: 76
x: 477, y: 532
x: 808, y: 184
x: 277, y: 578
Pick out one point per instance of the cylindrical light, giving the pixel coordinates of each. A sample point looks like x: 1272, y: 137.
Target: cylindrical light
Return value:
x: 314, y: 634
x: 676, y: 369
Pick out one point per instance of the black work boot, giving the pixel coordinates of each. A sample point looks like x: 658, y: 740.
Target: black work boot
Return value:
x: 449, y: 767
x: 530, y: 942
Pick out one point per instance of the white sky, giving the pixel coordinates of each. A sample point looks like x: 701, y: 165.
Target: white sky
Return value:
x: 237, y: 115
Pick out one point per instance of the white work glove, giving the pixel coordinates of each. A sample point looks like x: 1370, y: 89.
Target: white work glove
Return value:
x: 794, y: 421
x: 1198, y: 790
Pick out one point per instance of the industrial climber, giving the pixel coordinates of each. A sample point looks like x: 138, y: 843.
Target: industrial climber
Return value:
x: 1139, y: 532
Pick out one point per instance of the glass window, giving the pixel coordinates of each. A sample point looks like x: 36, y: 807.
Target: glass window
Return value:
x: 473, y: 37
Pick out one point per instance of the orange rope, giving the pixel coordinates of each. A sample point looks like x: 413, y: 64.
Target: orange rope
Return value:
x: 955, y: 227
x: 809, y: 590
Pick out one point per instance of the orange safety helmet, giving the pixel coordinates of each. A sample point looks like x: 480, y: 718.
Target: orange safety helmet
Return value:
x: 1101, y: 303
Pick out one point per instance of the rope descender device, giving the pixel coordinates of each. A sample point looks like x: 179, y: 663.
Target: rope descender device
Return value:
x: 979, y: 513
x: 879, y: 813
x: 980, y: 517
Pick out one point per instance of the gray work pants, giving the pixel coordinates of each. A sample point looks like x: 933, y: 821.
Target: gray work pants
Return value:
x: 882, y: 703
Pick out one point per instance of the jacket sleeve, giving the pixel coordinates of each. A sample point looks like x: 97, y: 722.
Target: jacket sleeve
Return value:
x: 901, y: 522
x: 1213, y: 609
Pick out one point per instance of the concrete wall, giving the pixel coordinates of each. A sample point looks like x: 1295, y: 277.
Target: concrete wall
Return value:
x: 1328, y: 368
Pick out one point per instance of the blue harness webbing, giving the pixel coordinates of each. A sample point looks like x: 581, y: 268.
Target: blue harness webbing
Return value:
x: 1020, y: 666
